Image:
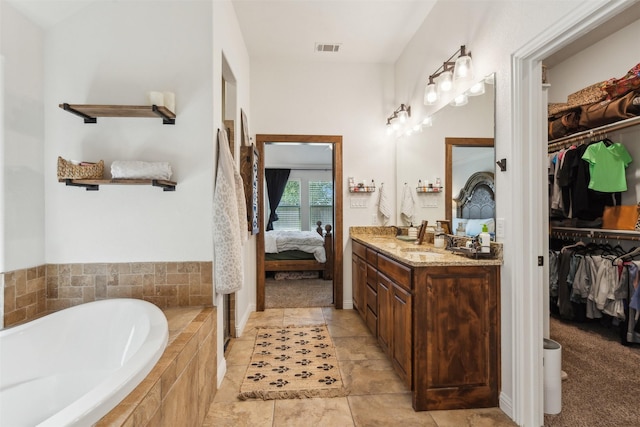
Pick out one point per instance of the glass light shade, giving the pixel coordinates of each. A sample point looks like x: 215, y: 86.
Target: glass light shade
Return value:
x: 460, y: 100
x: 445, y: 81
x: 463, y: 70
x: 476, y: 89
x: 402, y: 115
x: 430, y: 94
x: 428, y: 121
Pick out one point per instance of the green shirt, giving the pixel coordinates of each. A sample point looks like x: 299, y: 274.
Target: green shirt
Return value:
x: 607, y: 166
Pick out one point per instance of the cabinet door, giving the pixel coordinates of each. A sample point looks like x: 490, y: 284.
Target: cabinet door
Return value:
x: 384, y: 313
x: 457, y: 349
x: 359, y: 283
x: 401, y: 333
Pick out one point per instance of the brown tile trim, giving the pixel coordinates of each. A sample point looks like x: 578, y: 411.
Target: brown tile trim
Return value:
x: 32, y: 292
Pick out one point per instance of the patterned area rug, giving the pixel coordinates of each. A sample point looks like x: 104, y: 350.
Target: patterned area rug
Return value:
x: 292, y: 363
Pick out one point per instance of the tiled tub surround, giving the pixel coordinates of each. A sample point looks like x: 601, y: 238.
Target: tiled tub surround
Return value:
x: 32, y: 292
x: 180, y: 388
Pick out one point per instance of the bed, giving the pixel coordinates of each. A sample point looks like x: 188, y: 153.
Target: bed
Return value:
x: 476, y: 205
x: 295, y: 251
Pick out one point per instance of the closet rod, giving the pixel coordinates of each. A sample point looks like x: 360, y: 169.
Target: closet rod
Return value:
x: 559, y: 143
x: 591, y: 233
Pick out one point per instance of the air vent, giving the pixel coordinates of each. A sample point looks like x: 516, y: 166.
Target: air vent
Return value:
x: 327, y: 47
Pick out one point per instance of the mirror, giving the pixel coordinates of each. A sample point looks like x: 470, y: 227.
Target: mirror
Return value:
x: 458, y: 144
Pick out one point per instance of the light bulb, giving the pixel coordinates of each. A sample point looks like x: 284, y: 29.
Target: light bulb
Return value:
x: 477, y: 89
x: 460, y: 100
x: 445, y: 81
x: 463, y: 70
x: 428, y: 121
x: 430, y: 93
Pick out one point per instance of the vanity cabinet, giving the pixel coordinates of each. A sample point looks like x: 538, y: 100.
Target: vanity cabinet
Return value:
x: 438, y: 325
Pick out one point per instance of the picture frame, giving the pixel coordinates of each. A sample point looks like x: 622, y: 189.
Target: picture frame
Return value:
x: 249, y: 172
x: 446, y: 226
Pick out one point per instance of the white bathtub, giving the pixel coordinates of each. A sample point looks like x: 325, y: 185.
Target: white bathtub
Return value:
x: 72, y: 367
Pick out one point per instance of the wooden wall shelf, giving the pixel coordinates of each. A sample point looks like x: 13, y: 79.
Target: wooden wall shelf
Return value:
x: 90, y: 112
x: 94, y: 184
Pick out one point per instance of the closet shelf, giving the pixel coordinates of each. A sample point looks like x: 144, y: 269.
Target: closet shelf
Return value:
x: 90, y: 112
x: 94, y: 184
x: 559, y: 143
x: 594, y: 233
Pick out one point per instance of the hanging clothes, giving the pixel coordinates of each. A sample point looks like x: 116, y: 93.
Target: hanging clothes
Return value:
x: 607, y: 164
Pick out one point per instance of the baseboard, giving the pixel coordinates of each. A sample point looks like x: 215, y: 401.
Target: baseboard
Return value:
x: 506, y: 405
x: 242, y: 322
x: 222, y: 371
x: 347, y: 305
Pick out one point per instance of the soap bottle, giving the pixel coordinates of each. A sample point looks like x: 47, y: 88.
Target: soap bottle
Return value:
x: 412, y: 232
x: 485, y: 240
x: 438, y: 240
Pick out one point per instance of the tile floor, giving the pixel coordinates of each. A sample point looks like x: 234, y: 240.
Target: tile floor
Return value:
x: 376, y: 397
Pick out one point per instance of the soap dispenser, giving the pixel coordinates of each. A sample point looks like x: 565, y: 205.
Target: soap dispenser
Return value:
x: 485, y: 240
x: 438, y: 240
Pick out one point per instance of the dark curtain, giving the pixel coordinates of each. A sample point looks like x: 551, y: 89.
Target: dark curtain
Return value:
x: 276, y: 181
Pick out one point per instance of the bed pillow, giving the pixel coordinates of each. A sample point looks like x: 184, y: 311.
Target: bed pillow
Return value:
x: 474, y: 226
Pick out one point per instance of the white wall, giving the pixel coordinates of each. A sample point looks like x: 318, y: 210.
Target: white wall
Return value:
x: 21, y: 165
x: 352, y: 100
x: 113, y: 53
x: 228, y: 41
x: 493, y: 31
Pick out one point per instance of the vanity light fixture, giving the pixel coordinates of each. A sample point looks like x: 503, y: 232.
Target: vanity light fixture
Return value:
x: 402, y: 113
x: 476, y: 89
x: 448, y: 75
x: 460, y: 100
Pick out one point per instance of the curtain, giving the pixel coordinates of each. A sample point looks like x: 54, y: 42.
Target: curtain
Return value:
x: 276, y: 181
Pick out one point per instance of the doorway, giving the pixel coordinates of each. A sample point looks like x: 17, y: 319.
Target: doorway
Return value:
x: 335, y: 142
x: 529, y: 225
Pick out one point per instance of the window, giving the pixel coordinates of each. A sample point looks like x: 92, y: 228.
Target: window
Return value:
x: 289, y: 208
x: 320, y: 203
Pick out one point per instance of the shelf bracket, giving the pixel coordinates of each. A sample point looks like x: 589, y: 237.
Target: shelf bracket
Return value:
x: 166, y: 120
x: 87, y: 119
x: 88, y: 187
x: 165, y: 187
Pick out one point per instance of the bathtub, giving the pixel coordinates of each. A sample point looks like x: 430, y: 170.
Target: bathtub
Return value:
x: 72, y: 367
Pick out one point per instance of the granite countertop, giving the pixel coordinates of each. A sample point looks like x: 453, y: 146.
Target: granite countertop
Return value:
x: 384, y: 240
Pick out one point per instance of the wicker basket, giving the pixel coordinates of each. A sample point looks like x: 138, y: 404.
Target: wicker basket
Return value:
x: 67, y: 170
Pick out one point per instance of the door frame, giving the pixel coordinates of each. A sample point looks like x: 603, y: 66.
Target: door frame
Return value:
x: 336, y: 141
x: 529, y: 229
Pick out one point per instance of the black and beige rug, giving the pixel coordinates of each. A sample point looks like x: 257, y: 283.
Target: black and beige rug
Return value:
x: 292, y: 363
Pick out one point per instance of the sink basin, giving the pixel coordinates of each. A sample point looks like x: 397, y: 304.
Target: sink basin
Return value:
x: 424, y: 252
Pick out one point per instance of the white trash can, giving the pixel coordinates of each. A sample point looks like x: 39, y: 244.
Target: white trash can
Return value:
x: 552, y: 360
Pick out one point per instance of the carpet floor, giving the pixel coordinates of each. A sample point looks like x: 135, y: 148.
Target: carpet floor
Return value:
x: 298, y: 293
x: 603, y: 379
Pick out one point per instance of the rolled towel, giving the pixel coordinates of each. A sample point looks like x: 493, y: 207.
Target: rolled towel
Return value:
x: 136, y: 169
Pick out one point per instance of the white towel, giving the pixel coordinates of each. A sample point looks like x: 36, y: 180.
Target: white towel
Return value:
x: 406, y: 207
x: 229, y: 221
x: 384, y: 205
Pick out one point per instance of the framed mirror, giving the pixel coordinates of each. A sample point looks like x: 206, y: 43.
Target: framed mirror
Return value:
x: 458, y: 144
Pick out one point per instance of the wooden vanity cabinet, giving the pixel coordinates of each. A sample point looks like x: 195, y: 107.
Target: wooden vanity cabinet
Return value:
x: 439, y: 326
x: 457, y: 343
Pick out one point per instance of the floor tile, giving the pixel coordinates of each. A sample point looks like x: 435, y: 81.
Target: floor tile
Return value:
x: 334, y: 412
x: 358, y: 348
x: 488, y: 417
x: 303, y: 316
x: 257, y: 413
x: 370, y: 377
x: 239, y: 352
x: 387, y: 410
x: 230, y: 387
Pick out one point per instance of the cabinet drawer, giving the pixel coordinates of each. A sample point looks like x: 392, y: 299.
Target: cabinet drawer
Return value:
x: 397, y: 272
x: 372, y: 298
x: 372, y: 275
x: 359, y: 249
x: 372, y: 322
x: 372, y: 257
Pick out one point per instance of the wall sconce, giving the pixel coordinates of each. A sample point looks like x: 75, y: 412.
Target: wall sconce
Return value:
x: 448, y: 75
x: 402, y: 113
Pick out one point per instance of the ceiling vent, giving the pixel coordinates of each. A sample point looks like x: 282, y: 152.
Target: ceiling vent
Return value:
x: 327, y: 47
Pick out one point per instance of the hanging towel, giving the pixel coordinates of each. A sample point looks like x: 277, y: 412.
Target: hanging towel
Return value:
x: 384, y: 206
x: 406, y: 207
x: 229, y: 221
